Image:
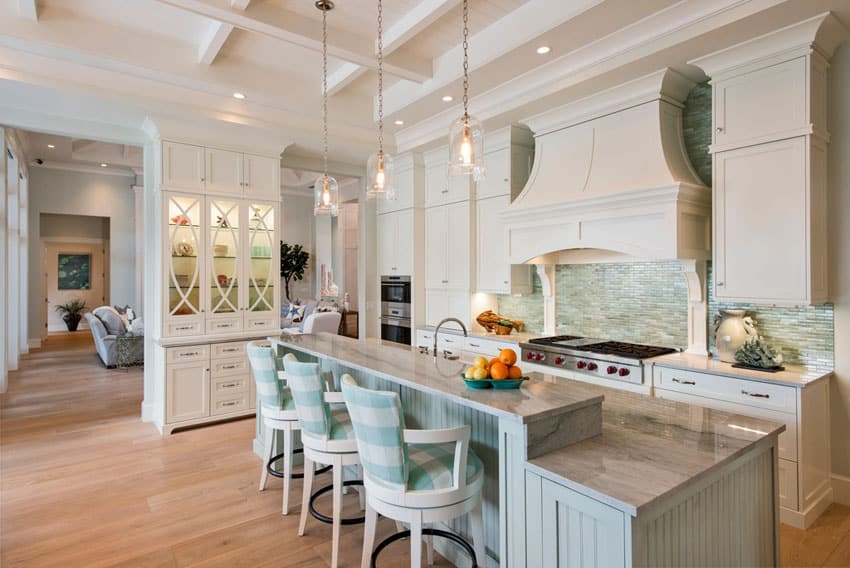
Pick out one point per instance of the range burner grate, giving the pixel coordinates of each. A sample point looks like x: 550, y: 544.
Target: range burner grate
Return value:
x: 628, y: 350
x: 553, y: 339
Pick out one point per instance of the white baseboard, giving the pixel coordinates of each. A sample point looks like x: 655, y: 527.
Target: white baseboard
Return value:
x: 147, y: 411
x: 841, y: 489
x: 34, y: 343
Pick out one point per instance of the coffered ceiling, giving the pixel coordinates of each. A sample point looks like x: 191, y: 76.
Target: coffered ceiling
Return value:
x: 181, y: 58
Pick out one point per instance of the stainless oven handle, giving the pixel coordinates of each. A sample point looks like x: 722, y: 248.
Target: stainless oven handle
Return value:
x: 397, y: 322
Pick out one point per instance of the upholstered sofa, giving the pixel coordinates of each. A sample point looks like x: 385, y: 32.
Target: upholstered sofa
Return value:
x: 106, y: 325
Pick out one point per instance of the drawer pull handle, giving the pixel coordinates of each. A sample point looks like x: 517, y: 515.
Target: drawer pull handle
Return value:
x: 230, y: 366
x: 184, y: 327
x: 681, y: 382
x: 228, y: 385
x: 231, y: 403
x: 474, y: 344
x: 231, y: 350
x: 755, y: 394
x: 190, y: 354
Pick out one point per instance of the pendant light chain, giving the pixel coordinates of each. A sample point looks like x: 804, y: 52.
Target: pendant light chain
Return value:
x: 465, y: 57
x: 380, y: 78
x: 325, y: 86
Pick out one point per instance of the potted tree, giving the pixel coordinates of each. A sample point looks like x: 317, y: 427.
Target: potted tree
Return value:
x: 72, y: 312
x: 293, y: 263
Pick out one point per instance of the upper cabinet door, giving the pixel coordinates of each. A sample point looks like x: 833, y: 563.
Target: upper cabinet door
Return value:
x: 184, y: 271
x: 436, y: 247
x: 760, y: 223
x: 224, y: 172
x: 404, y: 242
x: 458, y: 246
x: 224, y: 265
x: 183, y: 167
x: 762, y: 105
x: 263, y: 264
x: 262, y: 177
x: 436, y: 184
x: 387, y: 244
x: 497, y: 179
x: 494, y: 272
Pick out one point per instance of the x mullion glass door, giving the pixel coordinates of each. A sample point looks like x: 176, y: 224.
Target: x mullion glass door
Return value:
x: 224, y: 260
x: 263, y: 266
x: 183, y: 271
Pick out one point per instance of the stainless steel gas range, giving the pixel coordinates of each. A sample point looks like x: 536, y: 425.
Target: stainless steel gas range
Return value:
x: 615, y: 360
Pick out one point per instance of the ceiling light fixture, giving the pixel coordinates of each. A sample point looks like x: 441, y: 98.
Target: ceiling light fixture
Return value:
x: 543, y: 50
x: 399, y: 122
x: 104, y: 165
x: 326, y: 187
x: 447, y: 98
x: 466, y: 137
x: 240, y: 96
x: 51, y: 146
x: 379, y: 168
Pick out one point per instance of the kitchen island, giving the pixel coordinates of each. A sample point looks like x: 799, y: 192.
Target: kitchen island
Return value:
x: 584, y: 473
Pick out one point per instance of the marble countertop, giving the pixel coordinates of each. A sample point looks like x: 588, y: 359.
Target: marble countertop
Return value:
x: 514, y: 337
x: 793, y: 375
x: 650, y: 448
x: 536, y: 399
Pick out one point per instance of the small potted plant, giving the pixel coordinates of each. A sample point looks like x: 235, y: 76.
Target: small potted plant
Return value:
x: 72, y: 312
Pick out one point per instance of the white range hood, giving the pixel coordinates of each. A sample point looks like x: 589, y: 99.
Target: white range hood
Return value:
x: 611, y: 181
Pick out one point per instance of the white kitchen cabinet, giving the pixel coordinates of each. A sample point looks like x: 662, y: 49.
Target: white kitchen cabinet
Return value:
x: 440, y: 187
x: 507, y: 171
x: 223, y: 171
x: 436, y: 247
x: 409, y: 181
x: 495, y: 274
x: 187, y: 391
x: 448, y: 232
x: 441, y: 304
x: 395, y: 243
x: 183, y: 167
x: 261, y: 177
x: 770, y: 223
x: 803, y: 449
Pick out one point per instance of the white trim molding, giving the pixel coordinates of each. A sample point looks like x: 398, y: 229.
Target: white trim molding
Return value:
x: 841, y: 489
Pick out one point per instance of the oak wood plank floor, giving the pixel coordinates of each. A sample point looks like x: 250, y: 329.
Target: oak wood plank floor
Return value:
x: 83, y: 482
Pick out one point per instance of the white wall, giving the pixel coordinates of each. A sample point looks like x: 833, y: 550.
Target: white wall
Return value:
x: 839, y: 244
x: 4, y: 269
x: 78, y: 193
x: 297, y: 227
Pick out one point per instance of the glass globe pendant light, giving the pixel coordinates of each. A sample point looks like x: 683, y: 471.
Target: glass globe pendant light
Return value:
x: 466, y: 136
x: 379, y: 168
x: 326, y: 187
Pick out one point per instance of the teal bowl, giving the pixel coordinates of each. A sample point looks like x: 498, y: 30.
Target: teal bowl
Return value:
x: 505, y: 384
x: 477, y: 384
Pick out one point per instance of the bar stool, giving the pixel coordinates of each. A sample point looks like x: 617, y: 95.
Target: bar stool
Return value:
x: 411, y: 476
x: 279, y: 416
x: 327, y: 438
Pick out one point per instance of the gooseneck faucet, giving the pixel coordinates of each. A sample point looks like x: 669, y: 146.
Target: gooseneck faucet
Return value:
x: 437, y: 331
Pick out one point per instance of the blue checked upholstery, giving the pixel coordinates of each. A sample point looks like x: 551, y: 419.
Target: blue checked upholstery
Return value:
x: 314, y: 414
x: 378, y: 425
x: 271, y: 391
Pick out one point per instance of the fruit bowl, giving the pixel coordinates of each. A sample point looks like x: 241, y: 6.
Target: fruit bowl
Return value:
x: 498, y: 384
x: 477, y: 384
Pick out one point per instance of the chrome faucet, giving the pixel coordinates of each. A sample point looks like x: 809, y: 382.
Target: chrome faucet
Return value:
x: 437, y: 332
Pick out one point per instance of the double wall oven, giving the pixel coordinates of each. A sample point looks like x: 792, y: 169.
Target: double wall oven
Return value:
x: 395, y: 309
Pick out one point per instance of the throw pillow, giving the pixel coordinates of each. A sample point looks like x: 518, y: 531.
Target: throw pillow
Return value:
x: 296, y: 313
x: 111, y: 320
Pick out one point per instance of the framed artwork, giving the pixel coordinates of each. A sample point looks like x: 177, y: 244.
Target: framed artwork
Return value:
x: 74, y: 271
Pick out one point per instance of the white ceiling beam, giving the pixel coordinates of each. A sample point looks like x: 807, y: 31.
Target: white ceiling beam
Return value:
x: 300, y: 30
x: 217, y: 34
x: 28, y: 9
x: 212, y: 43
x: 416, y: 20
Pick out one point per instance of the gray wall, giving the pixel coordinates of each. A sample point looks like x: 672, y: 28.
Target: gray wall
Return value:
x: 74, y: 226
x: 78, y: 193
x: 297, y: 226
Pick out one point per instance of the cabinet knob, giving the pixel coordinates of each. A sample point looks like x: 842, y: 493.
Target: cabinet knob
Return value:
x: 506, y: 179
x: 505, y: 282
x: 720, y: 283
x: 719, y: 129
x: 203, y: 179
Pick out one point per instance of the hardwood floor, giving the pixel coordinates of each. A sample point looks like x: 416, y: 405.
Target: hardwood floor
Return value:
x: 83, y: 482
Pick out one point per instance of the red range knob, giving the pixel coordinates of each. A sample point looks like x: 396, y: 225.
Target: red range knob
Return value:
x: 540, y: 357
x: 581, y: 365
x: 611, y: 370
x: 592, y: 366
x: 529, y: 355
x: 559, y: 360
x: 623, y: 372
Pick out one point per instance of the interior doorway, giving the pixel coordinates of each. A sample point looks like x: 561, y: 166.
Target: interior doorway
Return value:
x: 75, y: 265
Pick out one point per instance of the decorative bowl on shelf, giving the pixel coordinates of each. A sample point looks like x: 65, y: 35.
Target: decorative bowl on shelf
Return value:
x: 184, y: 248
x: 220, y: 250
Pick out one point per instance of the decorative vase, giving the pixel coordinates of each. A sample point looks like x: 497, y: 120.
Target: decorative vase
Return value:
x: 731, y: 330
x: 72, y: 321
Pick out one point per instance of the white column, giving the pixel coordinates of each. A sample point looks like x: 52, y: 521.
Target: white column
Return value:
x: 139, y: 219
x: 13, y: 306
x: 695, y: 273
x: 546, y: 272
x: 3, y: 266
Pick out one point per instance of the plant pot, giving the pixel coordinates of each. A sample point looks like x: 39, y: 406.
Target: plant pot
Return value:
x: 72, y: 321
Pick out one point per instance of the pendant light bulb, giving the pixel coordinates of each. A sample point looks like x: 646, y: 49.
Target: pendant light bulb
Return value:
x: 326, y: 187
x: 379, y: 168
x: 466, y: 137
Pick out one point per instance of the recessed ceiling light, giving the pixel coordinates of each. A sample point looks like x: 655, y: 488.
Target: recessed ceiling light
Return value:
x: 543, y: 50
x: 399, y: 122
x: 448, y: 99
x: 104, y: 165
x: 51, y: 146
x: 240, y: 96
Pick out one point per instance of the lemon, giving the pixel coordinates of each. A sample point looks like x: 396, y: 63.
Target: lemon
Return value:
x: 470, y: 373
x: 480, y: 362
x: 479, y: 373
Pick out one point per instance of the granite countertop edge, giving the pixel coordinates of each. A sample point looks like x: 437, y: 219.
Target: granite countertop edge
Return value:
x: 796, y: 376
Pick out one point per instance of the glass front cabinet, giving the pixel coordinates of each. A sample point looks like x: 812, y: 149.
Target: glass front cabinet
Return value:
x: 221, y: 274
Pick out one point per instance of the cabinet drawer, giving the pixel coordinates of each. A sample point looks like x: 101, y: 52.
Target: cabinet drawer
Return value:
x: 452, y: 343
x: 227, y: 367
x: 788, y: 484
x: 188, y: 354
x: 183, y: 328
x: 487, y: 347
x: 228, y: 350
x: 224, y: 325
x: 260, y: 322
x: 750, y: 393
x: 229, y: 403
x: 226, y: 386
x: 424, y: 338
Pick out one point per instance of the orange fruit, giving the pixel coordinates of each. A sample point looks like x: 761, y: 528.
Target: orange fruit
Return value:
x: 493, y: 360
x: 514, y: 372
x: 498, y: 371
x: 508, y: 357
